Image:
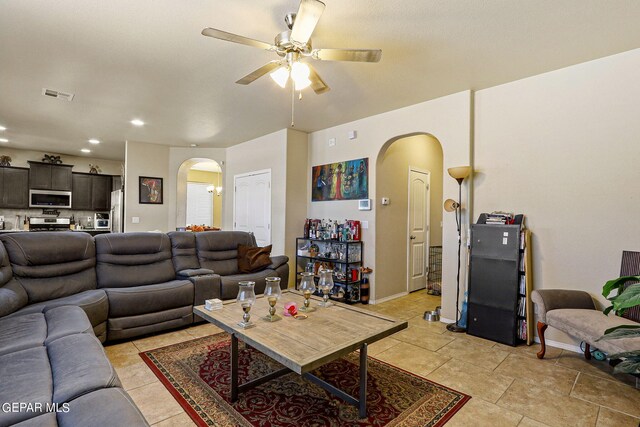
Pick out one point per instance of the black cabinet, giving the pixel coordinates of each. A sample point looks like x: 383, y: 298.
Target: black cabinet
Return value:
x: 497, y: 295
x: 14, y: 184
x: 101, y: 192
x: 82, y: 191
x: 91, y: 192
x: 45, y: 176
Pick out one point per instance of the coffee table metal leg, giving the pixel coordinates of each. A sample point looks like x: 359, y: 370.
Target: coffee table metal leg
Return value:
x: 362, y: 404
x: 234, y: 368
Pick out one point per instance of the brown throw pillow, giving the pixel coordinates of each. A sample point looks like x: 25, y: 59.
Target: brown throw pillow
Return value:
x: 252, y: 258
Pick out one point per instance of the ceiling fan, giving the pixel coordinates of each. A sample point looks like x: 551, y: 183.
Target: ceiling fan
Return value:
x: 294, y: 45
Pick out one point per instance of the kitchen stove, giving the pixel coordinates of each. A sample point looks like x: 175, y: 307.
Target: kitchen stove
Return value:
x: 49, y: 224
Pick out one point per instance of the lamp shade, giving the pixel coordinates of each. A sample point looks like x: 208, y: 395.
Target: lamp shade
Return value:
x: 459, y: 172
x: 280, y: 76
x: 451, y: 205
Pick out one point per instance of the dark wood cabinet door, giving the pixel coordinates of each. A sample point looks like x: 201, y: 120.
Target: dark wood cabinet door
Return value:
x: 101, y: 189
x: 40, y: 176
x: 61, y: 178
x: 82, y: 191
x: 14, y: 183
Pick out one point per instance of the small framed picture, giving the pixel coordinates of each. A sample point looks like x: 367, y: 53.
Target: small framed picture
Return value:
x: 150, y: 190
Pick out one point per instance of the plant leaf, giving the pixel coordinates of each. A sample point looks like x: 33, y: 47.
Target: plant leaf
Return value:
x: 632, y: 354
x: 630, y: 297
x: 608, y: 331
x: 617, y: 284
x: 621, y: 332
x: 628, y: 366
x: 607, y: 310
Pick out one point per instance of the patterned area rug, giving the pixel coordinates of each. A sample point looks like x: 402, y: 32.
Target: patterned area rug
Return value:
x: 197, y: 373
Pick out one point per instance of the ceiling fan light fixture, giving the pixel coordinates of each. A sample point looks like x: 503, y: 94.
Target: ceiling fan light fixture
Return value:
x: 302, y: 83
x: 280, y: 76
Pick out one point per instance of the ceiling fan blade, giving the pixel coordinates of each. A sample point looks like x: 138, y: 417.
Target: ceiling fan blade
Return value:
x: 306, y: 20
x: 255, y: 75
x: 359, y: 55
x: 317, y: 84
x: 230, y: 37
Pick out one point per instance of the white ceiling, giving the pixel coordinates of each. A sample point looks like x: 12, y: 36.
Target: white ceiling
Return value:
x: 146, y: 59
x: 207, y: 167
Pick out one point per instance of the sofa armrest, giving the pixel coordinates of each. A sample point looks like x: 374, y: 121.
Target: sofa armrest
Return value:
x: 277, y: 261
x: 205, y: 287
x: 12, y: 298
x: 190, y: 272
x: 552, y: 299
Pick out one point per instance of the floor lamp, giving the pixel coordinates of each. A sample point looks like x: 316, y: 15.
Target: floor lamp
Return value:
x: 459, y: 174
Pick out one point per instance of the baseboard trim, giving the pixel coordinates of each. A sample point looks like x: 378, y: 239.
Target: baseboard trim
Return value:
x: 562, y: 345
x: 389, y: 298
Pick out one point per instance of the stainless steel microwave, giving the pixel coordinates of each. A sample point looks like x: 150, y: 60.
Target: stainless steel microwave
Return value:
x: 49, y: 199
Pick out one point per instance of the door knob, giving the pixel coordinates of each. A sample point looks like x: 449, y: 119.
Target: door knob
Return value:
x: 412, y: 237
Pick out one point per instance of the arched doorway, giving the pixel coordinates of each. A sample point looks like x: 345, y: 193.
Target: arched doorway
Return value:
x: 409, y: 173
x: 199, y: 193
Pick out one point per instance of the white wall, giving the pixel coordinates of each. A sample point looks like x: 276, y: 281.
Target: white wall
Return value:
x: 266, y: 152
x: 144, y: 159
x: 449, y: 120
x: 80, y: 163
x: 563, y: 148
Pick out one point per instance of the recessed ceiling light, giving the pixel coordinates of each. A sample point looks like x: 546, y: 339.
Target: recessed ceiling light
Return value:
x: 137, y: 122
x: 4, y: 140
x: 94, y: 141
x: 193, y: 145
x: 2, y: 128
x: 85, y: 150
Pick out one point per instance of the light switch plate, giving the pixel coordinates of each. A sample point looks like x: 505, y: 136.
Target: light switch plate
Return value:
x: 135, y: 220
x: 332, y: 142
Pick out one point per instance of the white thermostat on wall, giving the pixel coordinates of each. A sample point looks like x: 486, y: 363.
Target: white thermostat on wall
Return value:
x: 364, y: 205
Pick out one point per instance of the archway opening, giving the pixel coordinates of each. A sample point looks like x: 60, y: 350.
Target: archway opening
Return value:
x: 199, y: 194
x: 409, y: 174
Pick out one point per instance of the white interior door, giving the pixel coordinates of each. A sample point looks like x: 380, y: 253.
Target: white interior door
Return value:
x: 199, y: 204
x: 252, y: 205
x: 418, y: 233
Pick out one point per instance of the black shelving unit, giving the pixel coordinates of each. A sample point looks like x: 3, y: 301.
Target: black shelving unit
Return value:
x: 341, y: 256
x: 498, y: 286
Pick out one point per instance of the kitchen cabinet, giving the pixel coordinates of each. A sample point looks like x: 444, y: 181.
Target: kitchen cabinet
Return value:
x: 14, y: 184
x: 91, y: 192
x: 46, y: 176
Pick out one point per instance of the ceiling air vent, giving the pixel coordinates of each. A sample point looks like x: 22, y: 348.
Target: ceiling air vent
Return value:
x: 55, y: 94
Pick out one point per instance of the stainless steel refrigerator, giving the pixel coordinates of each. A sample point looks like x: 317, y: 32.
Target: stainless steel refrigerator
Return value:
x: 117, y: 211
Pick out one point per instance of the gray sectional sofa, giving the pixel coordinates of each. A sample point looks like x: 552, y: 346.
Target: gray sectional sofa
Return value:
x: 62, y: 294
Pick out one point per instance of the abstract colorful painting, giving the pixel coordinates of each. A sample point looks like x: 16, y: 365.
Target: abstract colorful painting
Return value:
x: 341, y: 181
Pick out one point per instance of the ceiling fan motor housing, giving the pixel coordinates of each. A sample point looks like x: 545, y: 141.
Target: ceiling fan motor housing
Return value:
x: 285, y: 45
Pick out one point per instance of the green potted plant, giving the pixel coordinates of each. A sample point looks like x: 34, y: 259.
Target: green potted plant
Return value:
x: 623, y: 300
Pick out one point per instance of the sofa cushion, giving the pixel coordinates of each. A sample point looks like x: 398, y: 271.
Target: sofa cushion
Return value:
x: 51, y: 265
x: 22, y: 332
x: 183, y: 249
x: 143, y: 324
x: 253, y: 258
x: 133, y: 259
x: 94, y: 303
x: 148, y: 299
x: 589, y: 325
x: 47, y: 419
x: 218, y: 250
x: 26, y: 378
x: 109, y: 407
x: 230, y: 283
x: 79, y: 366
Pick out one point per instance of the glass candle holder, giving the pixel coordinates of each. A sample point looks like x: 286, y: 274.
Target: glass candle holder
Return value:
x: 307, y: 287
x: 246, y: 298
x: 325, y: 284
x: 272, y: 293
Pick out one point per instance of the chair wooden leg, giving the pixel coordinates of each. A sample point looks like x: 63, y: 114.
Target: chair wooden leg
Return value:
x: 587, y: 351
x: 543, y: 348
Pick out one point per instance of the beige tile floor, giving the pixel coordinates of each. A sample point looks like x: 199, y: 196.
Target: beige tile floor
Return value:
x: 509, y: 386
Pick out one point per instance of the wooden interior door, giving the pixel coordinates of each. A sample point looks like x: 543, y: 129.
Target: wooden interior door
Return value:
x: 418, y: 230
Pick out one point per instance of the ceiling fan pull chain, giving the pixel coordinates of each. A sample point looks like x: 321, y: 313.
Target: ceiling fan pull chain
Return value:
x: 293, y: 105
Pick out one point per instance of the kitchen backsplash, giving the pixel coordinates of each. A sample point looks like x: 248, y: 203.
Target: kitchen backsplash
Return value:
x: 81, y: 217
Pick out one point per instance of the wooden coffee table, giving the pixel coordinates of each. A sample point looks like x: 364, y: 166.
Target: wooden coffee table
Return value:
x: 304, y: 345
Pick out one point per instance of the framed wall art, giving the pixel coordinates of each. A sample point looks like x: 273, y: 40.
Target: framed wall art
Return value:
x: 348, y: 180
x: 150, y: 190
